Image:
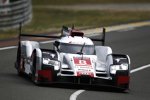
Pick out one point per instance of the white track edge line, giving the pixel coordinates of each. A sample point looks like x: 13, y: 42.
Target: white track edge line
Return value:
x: 6, y: 48
x: 75, y: 94
x: 78, y: 92
x: 140, y: 68
x: 13, y: 47
x: 45, y: 42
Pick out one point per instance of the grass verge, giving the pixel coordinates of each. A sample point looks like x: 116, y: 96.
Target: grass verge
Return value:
x: 72, y: 2
x: 50, y: 20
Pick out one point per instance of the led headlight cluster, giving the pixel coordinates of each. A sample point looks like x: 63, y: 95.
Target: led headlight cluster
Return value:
x: 114, y: 68
x: 46, y: 61
x: 54, y: 63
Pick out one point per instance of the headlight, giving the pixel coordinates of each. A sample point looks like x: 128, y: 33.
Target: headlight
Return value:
x: 46, y: 61
x: 114, y: 68
x: 124, y: 66
x: 54, y: 63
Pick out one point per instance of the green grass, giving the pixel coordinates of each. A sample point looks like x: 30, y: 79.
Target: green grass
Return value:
x: 48, y: 20
x: 68, y: 2
x: 51, y: 18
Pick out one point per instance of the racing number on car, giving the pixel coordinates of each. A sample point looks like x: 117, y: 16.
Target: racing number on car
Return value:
x: 82, y: 62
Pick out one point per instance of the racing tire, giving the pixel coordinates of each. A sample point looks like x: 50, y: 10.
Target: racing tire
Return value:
x: 20, y: 69
x: 20, y: 62
x: 33, y: 75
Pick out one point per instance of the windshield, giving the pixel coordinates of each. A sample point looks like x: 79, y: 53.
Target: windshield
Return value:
x: 76, y: 48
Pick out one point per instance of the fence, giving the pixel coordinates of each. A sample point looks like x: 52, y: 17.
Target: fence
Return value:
x: 12, y: 14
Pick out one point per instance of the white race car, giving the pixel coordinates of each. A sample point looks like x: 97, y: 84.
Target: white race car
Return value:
x: 74, y: 59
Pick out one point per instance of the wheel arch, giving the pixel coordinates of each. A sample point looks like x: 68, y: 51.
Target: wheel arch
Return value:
x: 38, y: 54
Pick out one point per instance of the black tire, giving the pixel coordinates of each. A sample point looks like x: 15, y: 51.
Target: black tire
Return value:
x: 20, y: 69
x: 20, y: 62
x: 33, y: 77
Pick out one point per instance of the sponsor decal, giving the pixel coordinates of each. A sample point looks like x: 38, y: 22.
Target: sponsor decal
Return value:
x: 84, y: 73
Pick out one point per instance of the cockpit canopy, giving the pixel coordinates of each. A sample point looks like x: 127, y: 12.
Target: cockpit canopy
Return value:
x: 77, y: 48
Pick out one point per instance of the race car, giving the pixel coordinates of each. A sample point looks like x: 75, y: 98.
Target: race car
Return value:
x: 74, y: 59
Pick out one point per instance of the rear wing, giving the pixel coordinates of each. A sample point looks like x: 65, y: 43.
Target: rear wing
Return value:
x: 33, y: 35
x: 102, y: 39
x: 64, y: 29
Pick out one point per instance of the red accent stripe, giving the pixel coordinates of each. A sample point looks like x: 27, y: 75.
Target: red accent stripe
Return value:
x: 47, y: 74
x: 123, y: 80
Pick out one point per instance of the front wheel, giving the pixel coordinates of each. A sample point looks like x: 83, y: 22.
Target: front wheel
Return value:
x: 20, y: 68
x: 33, y: 75
x: 20, y: 62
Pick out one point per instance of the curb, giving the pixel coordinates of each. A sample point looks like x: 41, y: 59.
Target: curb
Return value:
x: 95, y: 31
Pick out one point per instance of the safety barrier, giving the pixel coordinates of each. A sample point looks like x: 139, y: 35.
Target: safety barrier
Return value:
x: 12, y: 14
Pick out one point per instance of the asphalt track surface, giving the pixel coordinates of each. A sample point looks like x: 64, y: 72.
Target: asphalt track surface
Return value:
x: 135, y: 43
